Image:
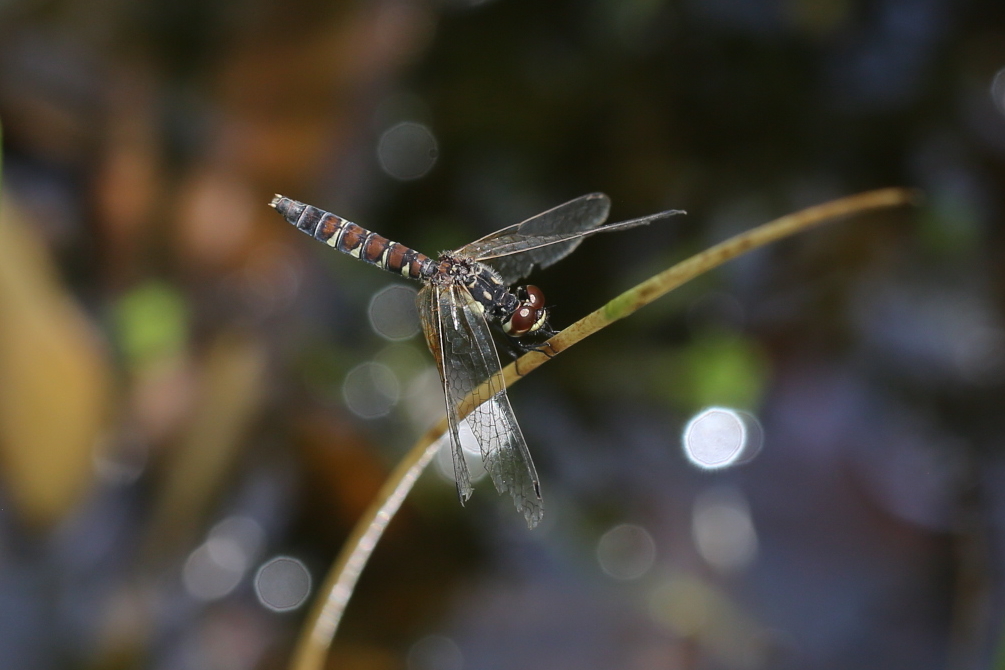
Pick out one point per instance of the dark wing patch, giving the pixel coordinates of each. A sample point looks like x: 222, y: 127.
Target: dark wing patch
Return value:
x: 583, y: 213
x: 510, y: 259
x: 549, y: 237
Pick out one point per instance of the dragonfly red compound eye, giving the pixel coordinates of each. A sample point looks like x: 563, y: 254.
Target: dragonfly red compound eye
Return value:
x: 535, y: 297
x: 522, y: 321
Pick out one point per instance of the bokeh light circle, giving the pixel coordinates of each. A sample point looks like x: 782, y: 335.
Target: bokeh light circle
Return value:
x: 393, y: 314
x: 371, y: 390
x: 407, y: 151
x: 723, y: 530
x: 998, y: 90
x: 282, y: 584
x: 626, y: 552
x: 206, y: 578
x: 435, y: 652
x: 470, y: 449
x: 719, y: 437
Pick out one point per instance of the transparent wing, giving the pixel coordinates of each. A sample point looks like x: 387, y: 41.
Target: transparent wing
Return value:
x: 465, y: 354
x: 583, y: 213
x: 428, y: 302
x: 549, y: 237
x: 516, y: 259
x: 586, y: 211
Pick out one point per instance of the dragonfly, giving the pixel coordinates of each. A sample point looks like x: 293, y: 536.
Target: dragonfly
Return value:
x: 465, y: 291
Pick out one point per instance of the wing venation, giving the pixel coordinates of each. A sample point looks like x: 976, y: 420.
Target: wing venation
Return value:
x: 468, y: 363
x: 548, y: 237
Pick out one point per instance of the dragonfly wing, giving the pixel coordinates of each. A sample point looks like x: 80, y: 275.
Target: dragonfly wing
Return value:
x: 558, y: 224
x: 428, y: 302
x: 586, y: 211
x: 542, y: 245
x: 469, y: 364
x: 549, y: 237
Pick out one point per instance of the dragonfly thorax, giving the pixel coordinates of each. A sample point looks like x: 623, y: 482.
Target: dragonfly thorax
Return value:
x: 482, y: 282
x: 520, y: 311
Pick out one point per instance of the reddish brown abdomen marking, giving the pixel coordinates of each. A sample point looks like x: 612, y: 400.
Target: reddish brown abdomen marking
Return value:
x: 395, y: 259
x: 418, y: 262
x: 374, y: 248
x: 351, y: 239
x: 355, y: 240
x: 328, y: 227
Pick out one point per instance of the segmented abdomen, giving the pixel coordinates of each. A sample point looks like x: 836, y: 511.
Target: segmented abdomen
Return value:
x: 355, y: 240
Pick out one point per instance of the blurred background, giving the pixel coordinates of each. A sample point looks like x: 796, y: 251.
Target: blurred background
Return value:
x: 197, y: 401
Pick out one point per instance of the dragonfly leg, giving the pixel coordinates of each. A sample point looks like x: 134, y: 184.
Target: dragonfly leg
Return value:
x: 519, y: 347
x: 547, y: 330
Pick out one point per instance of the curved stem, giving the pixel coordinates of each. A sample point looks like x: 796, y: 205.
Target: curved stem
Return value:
x: 322, y: 622
x: 324, y: 618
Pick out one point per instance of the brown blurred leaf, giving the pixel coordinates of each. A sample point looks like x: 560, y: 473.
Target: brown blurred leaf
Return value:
x: 232, y: 387
x: 347, y: 468
x: 128, y: 180
x: 55, y: 381
x: 214, y: 218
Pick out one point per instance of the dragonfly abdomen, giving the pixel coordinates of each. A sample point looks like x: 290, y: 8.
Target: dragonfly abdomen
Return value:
x: 355, y: 240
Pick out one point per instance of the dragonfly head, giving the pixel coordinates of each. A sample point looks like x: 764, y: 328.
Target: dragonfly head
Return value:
x: 530, y: 315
